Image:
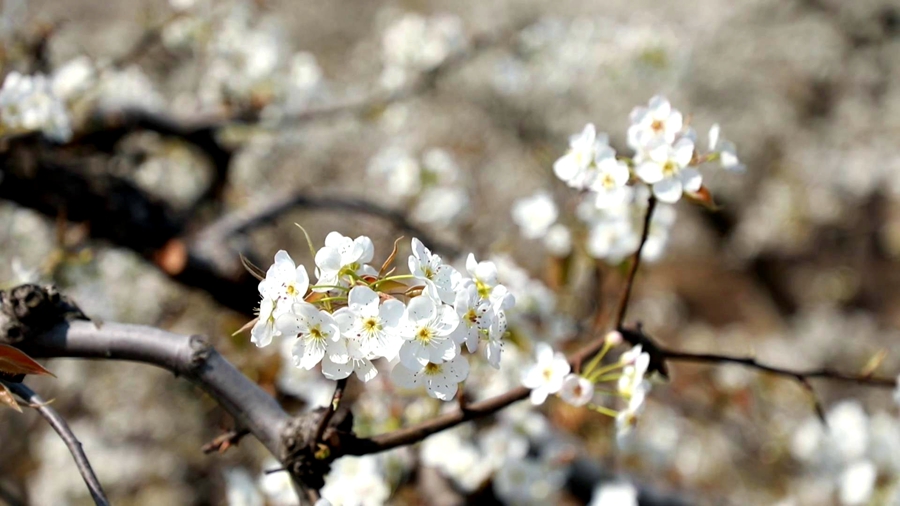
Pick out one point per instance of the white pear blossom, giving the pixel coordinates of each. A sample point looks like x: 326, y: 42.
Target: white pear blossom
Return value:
x: 316, y: 333
x: 359, y: 361
x: 636, y: 363
x: 430, y: 269
x: 476, y: 316
x: 28, y: 104
x: 427, y: 327
x: 486, y: 281
x: 494, y: 347
x: 573, y: 167
x: 665, y: 167
x: 576, y: 390
x: 342, y: 257
x: 285, y: 284
x: 399, y: 172
x: 535, y: 214
x: 546, y: 376
x: 441, y: 381
x: 656, y: 122
x: 610, y: 179
x: 375, y: 325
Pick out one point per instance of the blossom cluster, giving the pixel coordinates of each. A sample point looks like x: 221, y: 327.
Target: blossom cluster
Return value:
x: 431, y: 185
x: 551, y: 374
x: 355, y: 314
x: 415, y: 43
x: 615, y: 189
x: 29, y: 104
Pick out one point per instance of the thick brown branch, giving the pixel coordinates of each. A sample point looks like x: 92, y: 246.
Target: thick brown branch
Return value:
x: 189, y: 356
x: 65, y: 433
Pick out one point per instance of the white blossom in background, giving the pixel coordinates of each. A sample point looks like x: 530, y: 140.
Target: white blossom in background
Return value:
x: 399, y: 171
x: 28, y: 104
x: 342, y: 257
x: 74, y: 78
x: 356, y: 481
x: 558, y: 240
x: 456, y: 458
x: 547, y: 374
x: 439, y: 167
x: 528, y: 481
x: 857, y: 483
x: 441, y: 380
x: 240, y: 488
x: 277, y: 487
x: 415, y: 43
x: 285, y: 284
x: 535, y: 214
x: 726, y: 150
x: 614, y: 494
x: 128, y: 88
x: 440, y: 205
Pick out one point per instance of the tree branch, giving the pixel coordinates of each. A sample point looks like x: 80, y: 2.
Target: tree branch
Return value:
x: 326, y: 416
x: 65, y: 433
x: 622, y: 307
x: 189, y: 356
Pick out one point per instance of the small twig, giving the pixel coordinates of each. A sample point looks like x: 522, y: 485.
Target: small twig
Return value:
x: 801, y: 377
x: 622, y: 307
x: 65, y: 433
x: 225, y: 441
x: 326, y: 416
x: 824, y: 373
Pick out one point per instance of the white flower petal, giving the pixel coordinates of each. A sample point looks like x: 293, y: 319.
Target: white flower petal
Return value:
x: 668, y: 190
x: 405, y: 378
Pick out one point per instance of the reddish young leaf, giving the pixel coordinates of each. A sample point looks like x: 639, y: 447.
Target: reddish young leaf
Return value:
x: 13, y: 361
x: 390, y: 259
x: 704, y: 198
x: 6, y: 397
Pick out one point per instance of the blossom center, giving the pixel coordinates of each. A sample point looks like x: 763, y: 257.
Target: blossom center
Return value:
x: 548, y: 374
x: 484, y: 291
x: 657, y: 126
x: 670, y: 168
x: 316, y: 333
x: 428, y: 272
x: 472, y: 317
x: 291, y: 290
x: 432, y: 369
x: 424, y: 335
x: 371, y: 325
x: 608, y: 181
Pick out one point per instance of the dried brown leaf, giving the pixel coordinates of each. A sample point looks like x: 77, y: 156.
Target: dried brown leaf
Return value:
x: 14, y: 361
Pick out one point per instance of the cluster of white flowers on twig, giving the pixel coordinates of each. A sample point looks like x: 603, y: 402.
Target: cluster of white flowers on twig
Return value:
x: 415, y: 43
x: 430, y: 185
x: 355, y: 314
x: 614, y: 189
x: 29, y: 104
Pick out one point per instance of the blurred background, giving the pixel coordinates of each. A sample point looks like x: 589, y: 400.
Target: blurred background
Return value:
x: 199, y: 130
